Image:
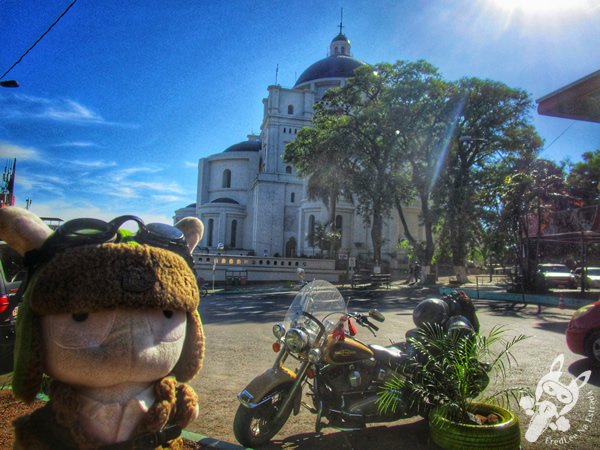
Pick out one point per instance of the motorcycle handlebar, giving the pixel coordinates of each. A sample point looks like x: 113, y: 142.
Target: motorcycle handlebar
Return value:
x: 371, y: 325
x: 364, y: 321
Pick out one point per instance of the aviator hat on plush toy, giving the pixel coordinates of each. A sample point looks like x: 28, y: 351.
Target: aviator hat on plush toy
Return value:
x: 88, y: 265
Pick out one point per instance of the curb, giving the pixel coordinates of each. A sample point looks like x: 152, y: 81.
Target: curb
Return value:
x: 207, y: 442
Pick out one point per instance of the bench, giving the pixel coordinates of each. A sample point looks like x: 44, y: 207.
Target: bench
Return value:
x: 358, y: 278
x: 378, y: 279
x: 236, y: 276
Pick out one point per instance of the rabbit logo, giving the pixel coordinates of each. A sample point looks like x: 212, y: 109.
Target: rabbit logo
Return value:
x: 553, y: 400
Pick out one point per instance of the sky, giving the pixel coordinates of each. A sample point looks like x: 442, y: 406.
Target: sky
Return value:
x: 119, y: 100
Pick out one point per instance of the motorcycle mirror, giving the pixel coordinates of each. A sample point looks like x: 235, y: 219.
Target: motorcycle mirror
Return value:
x: 376, y: 315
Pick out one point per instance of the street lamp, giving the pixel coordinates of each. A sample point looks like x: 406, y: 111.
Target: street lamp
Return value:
x: 9, y: 83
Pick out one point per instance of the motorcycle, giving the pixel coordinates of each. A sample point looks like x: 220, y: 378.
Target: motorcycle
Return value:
x: 343, y: 375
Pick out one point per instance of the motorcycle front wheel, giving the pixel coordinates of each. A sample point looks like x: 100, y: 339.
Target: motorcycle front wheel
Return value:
x: 256, y: 426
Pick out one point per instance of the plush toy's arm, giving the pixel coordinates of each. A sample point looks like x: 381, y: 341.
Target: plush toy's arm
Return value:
x: 22, y: 230
x: 192, y: 229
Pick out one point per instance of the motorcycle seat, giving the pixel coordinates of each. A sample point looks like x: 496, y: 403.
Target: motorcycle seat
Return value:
x: 391, y: 356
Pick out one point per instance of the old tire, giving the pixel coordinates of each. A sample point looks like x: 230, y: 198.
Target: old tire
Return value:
x: 505, y: 435
x: 254, y: 427
x: 592, y: 346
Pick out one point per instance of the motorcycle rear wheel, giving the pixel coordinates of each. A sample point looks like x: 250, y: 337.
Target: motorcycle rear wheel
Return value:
x: 256, y: 426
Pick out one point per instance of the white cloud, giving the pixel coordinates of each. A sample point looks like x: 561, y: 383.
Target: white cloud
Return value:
x: 22, y: 107
x: 92, y: 164
x: 190, y: 164
x: 169, y: 198
x: 8, y: 150
x: 73, y: 210
x: 76, y: 144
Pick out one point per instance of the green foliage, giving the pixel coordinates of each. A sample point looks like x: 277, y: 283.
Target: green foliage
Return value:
x: 450, y: 370
x: 584, y: 177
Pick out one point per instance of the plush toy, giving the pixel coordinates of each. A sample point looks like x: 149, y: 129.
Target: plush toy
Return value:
x: 111, y: 318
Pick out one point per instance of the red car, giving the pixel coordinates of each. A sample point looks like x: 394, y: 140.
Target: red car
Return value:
x: 583, y: 332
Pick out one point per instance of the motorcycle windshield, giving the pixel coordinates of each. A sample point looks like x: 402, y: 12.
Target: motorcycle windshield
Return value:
x: 323, y: 302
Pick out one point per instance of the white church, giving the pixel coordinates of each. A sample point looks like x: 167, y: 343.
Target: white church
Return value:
x: 252, y: 203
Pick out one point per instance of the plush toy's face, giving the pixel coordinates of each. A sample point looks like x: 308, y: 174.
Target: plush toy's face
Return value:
x: 106, y: 348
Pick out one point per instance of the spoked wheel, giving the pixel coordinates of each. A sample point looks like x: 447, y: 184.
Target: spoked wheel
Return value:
x: 256, y: 426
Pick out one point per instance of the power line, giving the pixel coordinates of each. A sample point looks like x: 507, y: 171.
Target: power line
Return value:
x: 559, y: 136
x: 39, y: 39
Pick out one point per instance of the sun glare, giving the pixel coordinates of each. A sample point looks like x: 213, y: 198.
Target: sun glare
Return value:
x: 546, y: 6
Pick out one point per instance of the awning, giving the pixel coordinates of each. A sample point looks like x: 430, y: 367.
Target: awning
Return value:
x: 579, y: 100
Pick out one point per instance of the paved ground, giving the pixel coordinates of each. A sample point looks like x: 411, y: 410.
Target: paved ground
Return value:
x: 238, y: 338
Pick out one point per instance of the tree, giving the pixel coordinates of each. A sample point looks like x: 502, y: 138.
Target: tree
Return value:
x: 423, y: 107
x: 534, y: 185
x: 494, y: 121
x: 584, y: 177
x: 350, y: 127
x: 319, y: 154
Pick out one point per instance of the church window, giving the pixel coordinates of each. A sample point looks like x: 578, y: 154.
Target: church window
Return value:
x: 292, y: 197
x: 288, y: 169
x: 284, y: 130
x: 311, y: 230
x: 338, y: 223
x: 209, y: 234
x: 337, y: 50
x: 290, y: 109
x: 233, y: 240
x: 227, y: 178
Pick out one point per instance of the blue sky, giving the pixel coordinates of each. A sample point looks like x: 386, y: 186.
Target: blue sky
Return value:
x: 120, y: 99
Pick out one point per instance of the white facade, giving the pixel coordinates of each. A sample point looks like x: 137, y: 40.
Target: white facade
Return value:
x: 250, y: 200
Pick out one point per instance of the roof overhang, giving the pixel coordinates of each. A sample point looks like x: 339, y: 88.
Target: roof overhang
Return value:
x: 579, y: 100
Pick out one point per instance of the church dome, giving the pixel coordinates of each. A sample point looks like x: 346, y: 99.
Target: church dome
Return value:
x: 245, y: 146
x: 335, y: 66
x: 339, y: 63
x: 341, y: 38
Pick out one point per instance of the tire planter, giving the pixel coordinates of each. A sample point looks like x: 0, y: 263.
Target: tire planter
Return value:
x: 504, y: 435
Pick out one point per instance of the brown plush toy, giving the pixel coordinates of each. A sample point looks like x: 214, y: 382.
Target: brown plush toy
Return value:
x: 111, y: 318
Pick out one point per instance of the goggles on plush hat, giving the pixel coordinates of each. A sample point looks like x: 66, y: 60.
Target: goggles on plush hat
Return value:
x: 87, y: 231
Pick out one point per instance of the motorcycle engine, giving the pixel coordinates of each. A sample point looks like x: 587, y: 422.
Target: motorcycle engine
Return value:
x: 351, y: 389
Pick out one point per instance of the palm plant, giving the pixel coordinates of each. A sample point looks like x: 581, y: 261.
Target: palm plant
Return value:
x: 450, y: 371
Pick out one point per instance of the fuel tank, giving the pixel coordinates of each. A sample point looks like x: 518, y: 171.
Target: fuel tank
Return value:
x: 345, y: 352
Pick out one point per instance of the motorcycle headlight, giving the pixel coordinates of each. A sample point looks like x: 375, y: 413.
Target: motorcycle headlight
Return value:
x: 296, y: 340
x: 278, y: 330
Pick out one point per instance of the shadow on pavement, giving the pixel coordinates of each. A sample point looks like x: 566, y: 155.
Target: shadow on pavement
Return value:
x: 584, y: 364
x: 414, y: 435
x: 556, y: 327
x: 260, y: 306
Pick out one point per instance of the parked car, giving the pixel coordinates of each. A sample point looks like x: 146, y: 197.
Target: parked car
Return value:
x: 11, y: 274
x: 592, y: 277
x: 583, y: 332
x: 556, y: 276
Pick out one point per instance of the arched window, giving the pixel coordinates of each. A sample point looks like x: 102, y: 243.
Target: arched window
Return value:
x: 292, y: 197
x: 290, y: 109
x: 338, y: 223
x: 311, y: 230
x: 209, y: 233
x: 233, y: 240
x: 227, y: 178
x: 288, y: 169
